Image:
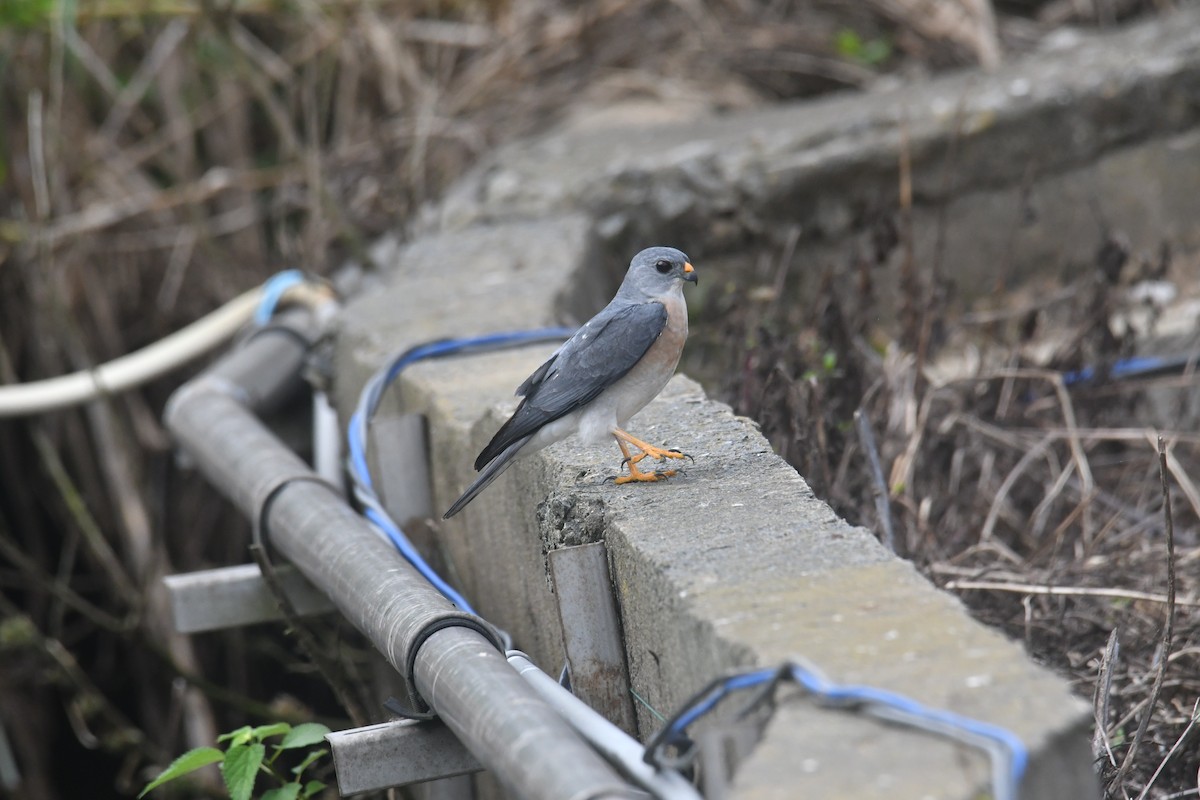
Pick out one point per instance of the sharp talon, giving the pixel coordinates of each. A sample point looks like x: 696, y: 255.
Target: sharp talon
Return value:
x: 624, y: 461
x: 612, y: 478
x: 638, y: 476
x: 624, y: 441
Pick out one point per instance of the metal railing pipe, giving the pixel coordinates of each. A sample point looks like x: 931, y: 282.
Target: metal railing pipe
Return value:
x: 450, y: 657
x: 462, y: 681
x: 621, y: 749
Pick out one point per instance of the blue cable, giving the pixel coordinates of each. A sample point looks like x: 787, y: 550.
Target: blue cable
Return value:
x: 856, y: 695
x: 369, y: 400
x: 1009, y: 755
x: 898, y: 707
x: 1131, y: 368
x: 719, y: 693
x: 273, y: 290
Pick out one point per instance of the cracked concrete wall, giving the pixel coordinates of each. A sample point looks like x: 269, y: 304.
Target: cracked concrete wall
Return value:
x: 1016, y: 173
x: 734, y: 562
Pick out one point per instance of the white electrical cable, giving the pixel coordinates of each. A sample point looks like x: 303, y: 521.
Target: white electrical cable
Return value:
x: 327, y: 430
x: 129, y: 371
x: 619, y: 748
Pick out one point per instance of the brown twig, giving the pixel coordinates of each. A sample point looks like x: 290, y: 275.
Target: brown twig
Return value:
x: 101, y: 215
x: 1072, y: 591
x: 90, y: 705
x: 93, y: 536
x: 883, y: 510
x: 1101, y: 744
x: 1168, y: 628
x: 307, y: 642
x: 1175, y: 748
x: 1001, y: 496
x: 131, y: 94
x: 60, y: 589
x: 1071, y: 430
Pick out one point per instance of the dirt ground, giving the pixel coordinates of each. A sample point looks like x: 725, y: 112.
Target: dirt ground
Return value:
x: 158, y: 157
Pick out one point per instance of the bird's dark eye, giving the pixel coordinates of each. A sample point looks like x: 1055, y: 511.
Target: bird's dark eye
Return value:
x: 663, y: 267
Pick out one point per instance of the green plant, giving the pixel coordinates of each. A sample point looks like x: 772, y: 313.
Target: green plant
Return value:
x: 25, y: 13
x: 245, y: 757
x: 851, y: 46
x: 828, y: 368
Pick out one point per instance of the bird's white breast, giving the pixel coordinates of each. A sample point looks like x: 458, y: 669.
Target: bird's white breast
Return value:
x: 630, y: 394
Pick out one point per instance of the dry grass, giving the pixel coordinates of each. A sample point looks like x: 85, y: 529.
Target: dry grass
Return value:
x: 159, y: 156
x: 1046, y: 506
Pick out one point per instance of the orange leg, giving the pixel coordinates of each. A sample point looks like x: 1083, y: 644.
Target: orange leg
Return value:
x: 647, y: 449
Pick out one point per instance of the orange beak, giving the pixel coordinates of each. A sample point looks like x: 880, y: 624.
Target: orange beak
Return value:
x: 689, y: 273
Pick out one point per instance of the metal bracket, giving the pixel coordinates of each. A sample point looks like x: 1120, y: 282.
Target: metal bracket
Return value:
x: 592, y: 632
x: 231, y: 597
x: 721, y: 752
x: 401, y: 465
x: 397, y: 753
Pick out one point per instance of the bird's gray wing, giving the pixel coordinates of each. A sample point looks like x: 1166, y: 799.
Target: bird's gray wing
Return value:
x: 596, y: 357
x: 539, y: 374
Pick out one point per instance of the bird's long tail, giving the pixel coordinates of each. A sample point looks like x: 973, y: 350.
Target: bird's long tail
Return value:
x: 488, y: 474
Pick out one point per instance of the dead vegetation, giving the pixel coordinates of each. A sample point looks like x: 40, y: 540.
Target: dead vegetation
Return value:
x: 158, y: 156
x: 1063, y: 510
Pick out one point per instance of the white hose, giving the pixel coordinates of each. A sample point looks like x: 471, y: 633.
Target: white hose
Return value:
x: 327, y: 430
x: 619, y: 748
x: 152, y: 361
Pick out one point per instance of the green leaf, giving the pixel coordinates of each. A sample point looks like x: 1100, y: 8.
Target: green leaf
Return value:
x: 241, y: 767
x: 876, y: 52
x: 190, y: 761
x: 240, y: 736
x: 289, y: 791
x: 304, y: 735
x: 851, y: 46
x: 848, y: 43
x: 25, y: 13
x: 829, y: 361
x: 313, y: 788
x: 274, y: 729
x: 308, y: 760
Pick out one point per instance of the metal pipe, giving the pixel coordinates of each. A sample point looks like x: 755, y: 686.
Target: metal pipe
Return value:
x: 622, y: 751
x: 458, y: 670
x: 466, y: 683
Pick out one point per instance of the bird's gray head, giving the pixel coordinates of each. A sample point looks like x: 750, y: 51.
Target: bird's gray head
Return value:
x: 656, y: 271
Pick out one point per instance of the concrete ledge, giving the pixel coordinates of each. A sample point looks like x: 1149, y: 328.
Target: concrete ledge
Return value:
x: 733, y: 563
x: 1015, y: 173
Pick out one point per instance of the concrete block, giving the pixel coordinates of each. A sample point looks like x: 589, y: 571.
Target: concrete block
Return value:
x: 732, y: 563
x: 492, y: 278
x: 1021, y: 170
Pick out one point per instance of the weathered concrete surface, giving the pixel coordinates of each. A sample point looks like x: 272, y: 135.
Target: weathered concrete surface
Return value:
x: 1020, y: 172
x: 732, y: 563
x: 735, y: 562
x: 474, y: 282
